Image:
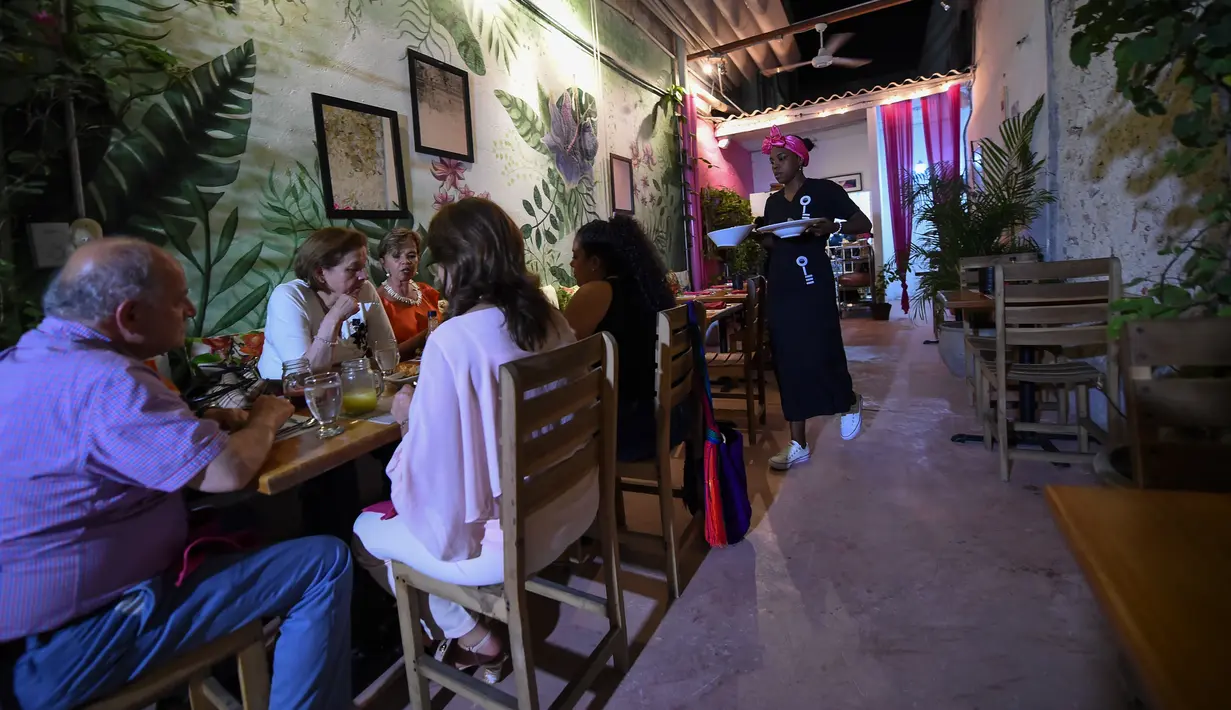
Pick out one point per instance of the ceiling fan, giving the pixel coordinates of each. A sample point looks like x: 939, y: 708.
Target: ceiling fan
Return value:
x: 825, y: 57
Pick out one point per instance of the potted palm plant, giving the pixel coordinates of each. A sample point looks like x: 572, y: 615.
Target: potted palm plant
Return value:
x: 989, y: 214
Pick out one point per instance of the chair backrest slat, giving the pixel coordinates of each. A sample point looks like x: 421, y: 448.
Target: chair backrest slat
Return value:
x: 1058, y: 315
x: 675, y: 377
x: 1193, y: 342
x: 969, y: 267
x: 1068, y: 292
x: 557, y: 426
x: 674, y: 359
x: 1060, y: 270
x: 1180, y: 424
x: 551, y: 406
x: 754, y: 313
x: 1074, y: 336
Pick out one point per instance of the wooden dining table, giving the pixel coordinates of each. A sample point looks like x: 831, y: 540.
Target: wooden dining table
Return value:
x: 306, y: 456
x: 1159, y: 564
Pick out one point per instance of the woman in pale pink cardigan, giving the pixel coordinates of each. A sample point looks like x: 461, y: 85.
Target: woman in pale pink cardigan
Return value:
x: 446, y: 472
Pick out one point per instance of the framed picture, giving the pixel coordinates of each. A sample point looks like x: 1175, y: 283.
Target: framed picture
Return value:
x: 622, y: 198
x: 850, y: 183
x: 441, y: 95
x: 360, y: 149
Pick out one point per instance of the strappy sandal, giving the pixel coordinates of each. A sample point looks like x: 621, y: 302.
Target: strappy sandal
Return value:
x: 491, y: 669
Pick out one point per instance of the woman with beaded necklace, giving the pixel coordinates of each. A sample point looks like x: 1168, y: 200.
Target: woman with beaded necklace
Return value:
x: 407, y: 302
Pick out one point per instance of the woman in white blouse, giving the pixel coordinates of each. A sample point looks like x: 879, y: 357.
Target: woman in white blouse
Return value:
x: 331, y: 312
x: 446, y: 473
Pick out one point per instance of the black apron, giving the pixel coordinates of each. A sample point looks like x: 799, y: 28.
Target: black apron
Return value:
x: 805, y: 330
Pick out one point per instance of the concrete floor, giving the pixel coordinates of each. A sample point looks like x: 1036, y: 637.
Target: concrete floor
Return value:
x: 893, y: 571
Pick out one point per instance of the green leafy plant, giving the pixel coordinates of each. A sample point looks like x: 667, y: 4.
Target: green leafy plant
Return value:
x: 19, y: 311
x: 722, y: 207
x: 884, y: 277
x: 747, y: 258
x: 990, y: 214
x: 98, y: 58
x: 1159, y: 46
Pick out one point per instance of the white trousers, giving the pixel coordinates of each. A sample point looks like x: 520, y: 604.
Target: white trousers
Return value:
x: 549, y: 532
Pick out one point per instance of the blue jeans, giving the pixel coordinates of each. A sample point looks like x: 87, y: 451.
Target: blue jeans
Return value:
x: 306, y: 581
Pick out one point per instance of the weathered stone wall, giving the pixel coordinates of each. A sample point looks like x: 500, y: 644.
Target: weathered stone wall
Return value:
x: 1107, y: 165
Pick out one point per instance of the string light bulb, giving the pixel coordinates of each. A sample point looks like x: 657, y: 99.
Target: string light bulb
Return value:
x: 723, y: 143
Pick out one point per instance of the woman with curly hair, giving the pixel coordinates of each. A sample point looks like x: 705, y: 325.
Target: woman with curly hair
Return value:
x: 623, y: 286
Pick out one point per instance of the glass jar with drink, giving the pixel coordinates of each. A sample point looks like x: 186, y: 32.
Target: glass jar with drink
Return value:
x: 294, y: 373
x: 361, y: 386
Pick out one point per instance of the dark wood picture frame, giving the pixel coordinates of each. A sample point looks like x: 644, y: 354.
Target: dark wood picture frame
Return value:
x: 630, y: 198
x: 319, y: 102
x: 414, y: 59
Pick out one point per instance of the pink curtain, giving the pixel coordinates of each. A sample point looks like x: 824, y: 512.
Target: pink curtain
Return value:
x: 899, y: 153
x: 942, y: 131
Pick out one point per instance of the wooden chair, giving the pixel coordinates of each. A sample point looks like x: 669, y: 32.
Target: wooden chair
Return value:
x: 980, y: 347
x: 674, y: 385
x: 534, y: 471
x: 748, y: 363
x: 247, y: 646
x: 1032, y: 313
x: 1180, y: 425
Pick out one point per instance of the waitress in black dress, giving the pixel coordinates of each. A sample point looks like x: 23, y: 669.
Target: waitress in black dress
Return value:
x: 804, y: 328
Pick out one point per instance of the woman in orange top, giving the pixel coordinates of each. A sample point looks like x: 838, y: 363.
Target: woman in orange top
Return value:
x: 406, y: 301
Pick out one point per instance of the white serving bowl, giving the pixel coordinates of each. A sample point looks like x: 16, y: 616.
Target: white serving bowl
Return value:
x: 731, y: 236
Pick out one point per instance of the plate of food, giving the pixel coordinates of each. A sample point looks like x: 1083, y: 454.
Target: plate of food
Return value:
x: 407, y: 371
x: 793, y: 228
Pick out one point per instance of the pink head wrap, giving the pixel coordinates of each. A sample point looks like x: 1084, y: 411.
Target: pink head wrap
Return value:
x: 791, y: 143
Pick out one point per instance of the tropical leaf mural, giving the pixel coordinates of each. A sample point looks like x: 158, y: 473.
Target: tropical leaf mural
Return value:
x: 194, y: 137
x: 161, y: 181
x: 527, y: 122
x: 563, y: 199
x: 427, y: 22
x: 499, y: 26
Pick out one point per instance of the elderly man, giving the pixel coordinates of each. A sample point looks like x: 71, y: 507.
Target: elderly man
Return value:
x: 94, y: 451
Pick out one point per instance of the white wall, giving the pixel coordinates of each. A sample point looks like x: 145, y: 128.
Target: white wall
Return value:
x: 1011, y: 52
x: 839, y: 151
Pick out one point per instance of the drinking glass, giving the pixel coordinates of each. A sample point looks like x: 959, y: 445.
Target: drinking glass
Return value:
x: 324, y: 395
x: 387, y: 358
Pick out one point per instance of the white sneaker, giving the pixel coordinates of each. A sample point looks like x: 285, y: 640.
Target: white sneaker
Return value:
x: 852, y: 421
x: 794, y: 453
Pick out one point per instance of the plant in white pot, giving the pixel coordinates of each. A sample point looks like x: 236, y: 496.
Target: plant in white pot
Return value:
x: 989, y: 214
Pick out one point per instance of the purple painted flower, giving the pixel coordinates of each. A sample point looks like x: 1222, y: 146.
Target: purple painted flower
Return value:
x: 572, y: 141
x: 449, y: 172
x: 45, y: 18
x: 635, y: 151
x: 442, y: 198
x: 645, y: 181
x: 647, y: 155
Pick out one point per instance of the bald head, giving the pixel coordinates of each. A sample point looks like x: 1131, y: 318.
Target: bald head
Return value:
x: 103, y: 274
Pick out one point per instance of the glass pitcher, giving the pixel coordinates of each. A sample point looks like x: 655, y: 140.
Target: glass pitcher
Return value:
x: 294, y: 373
x: 361, y: 386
